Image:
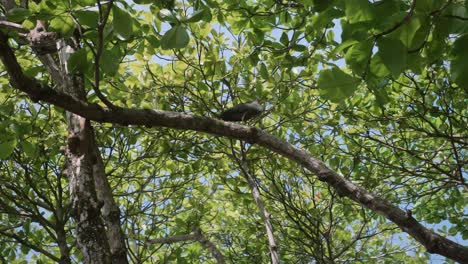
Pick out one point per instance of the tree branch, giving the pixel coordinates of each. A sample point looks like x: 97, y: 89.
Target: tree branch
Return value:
x: 30, y: 245
x: 198, y: 236
x: 433, y: 242
x: 100, y: 46
x: 11, y: 25
x: 172, y: 239
x: 400, y: 23
x: 264, y: 214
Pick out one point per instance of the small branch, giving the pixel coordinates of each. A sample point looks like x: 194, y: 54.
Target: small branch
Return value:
x: 198, y: 236
x: 210, y: 246
x: 11, y: 25
x: 264, y: 214
x: 172, y: 239
x: 456, y: 17
x: 400, y: 23
x: 442, y: 8
x: 101, y: 24
x: 30, y: 245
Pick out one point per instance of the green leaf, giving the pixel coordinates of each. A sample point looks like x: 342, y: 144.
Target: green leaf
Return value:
x: 87, y: 18
x: 33, y: 71
x: 24, y: 249
x: 358, y: 11
x: 321, y: 5
x: 428, y: 6
x: 86, y: 2
x: 357, y: 57
x: 420, y: 36
x: 122, y: 22
x: 175, y: 38
x: 29, y: 24
x: 198, y: 15
x: 28, y: 148
x: 299, y: 48
x: 393, y: 54
x: 18, y: 14
x: 142, y: 2
x: 7, y: 147
x: 344, y: 45
x: 378, y: 85
x: 259, y: 36
x: 110, y: 60
x: 416, y: 62
x: 50, y: 9
x: 168, y: 16
x: 336, y: 85
x: 458, y: 67
x: 63, y: 24
x: 155, y: 43
x: 459, y: 46
x: 78, y: 61
x: 264, y: 72
x: 408, y: 31
x: 284, y: 39
x: 20, y: 129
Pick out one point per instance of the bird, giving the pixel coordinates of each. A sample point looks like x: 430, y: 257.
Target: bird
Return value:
x: 243, y: 112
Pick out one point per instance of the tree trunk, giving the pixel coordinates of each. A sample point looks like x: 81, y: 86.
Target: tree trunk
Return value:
x: 73, y: 85
x: 89, y: 189
x: 110, y: 211
x: 86, y: 209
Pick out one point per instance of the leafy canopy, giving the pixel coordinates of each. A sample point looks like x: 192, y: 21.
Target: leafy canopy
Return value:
x: 376, y: 89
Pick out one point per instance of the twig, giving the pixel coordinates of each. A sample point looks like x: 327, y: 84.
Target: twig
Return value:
x: 198, y: 236
x: 101, y: 24
x: 400, y: 23
x: 11, y: 25
x: 457, y: 17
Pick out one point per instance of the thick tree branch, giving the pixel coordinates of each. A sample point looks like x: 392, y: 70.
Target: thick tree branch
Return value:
x: 433, y: 242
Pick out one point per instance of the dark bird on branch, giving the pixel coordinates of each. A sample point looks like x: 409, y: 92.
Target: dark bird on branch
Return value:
x: 243, y: 112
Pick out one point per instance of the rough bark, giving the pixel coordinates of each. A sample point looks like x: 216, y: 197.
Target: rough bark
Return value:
x: 62, y: 244
x: 8, y: 4
x: 110, y: 210
x: 81, y: 163
x: 433, y: 242
x: 86, y: 209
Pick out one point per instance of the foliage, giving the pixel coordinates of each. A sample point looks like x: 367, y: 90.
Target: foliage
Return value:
x: 377, y: 90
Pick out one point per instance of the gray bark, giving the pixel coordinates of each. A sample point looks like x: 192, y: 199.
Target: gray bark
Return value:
x: 110, y: 210
x: 81, y: 164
